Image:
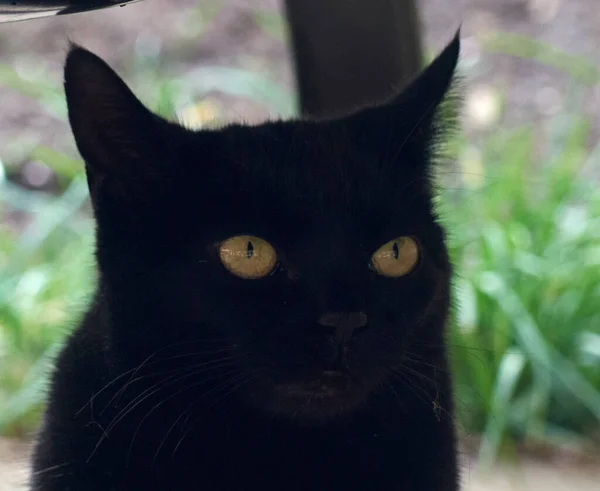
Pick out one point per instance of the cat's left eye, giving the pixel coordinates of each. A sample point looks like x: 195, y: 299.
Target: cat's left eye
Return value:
x: 248, y: 257
x: 396, y: 258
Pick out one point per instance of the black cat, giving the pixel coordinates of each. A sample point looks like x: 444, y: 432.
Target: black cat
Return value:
x: 271, y: 304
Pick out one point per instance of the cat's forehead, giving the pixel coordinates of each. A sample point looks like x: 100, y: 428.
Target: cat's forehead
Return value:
x: 312, y: 160
x: 302, y: 177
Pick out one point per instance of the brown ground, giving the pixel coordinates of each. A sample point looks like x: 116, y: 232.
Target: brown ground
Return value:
x: 533, y: 92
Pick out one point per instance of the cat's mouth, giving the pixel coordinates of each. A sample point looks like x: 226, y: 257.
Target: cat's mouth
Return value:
x: 330, y: 393
x: 330, y: 383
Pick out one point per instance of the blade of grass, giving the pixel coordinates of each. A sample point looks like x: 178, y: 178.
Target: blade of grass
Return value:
x: 508, y: 374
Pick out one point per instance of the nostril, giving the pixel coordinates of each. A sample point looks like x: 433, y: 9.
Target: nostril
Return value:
x: 329, y: 319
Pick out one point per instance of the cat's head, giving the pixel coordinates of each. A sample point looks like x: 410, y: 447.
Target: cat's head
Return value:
x: 300, y: 259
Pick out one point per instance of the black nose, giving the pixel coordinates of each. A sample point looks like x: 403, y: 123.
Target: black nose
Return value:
x: 343, y: 323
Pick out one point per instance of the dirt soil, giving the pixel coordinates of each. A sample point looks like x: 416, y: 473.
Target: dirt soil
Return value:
x: 533, y: 92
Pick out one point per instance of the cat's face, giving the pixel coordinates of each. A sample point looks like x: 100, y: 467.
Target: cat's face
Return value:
x: 305, y: 256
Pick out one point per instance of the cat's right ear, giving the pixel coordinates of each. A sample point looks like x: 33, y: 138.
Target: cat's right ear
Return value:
x: 419, y: 114
x: 121, y: 141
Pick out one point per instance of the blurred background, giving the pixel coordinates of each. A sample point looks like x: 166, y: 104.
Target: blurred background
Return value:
x: 521, y: 199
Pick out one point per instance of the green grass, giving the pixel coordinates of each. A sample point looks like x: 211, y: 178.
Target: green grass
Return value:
x: 526, y: 244
x: 524, y: 221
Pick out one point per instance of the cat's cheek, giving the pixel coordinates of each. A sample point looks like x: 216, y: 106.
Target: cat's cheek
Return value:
x: 397, y: 304
x: 398, y: 308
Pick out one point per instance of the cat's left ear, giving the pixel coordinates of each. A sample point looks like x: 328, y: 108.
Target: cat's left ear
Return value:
x: 414, y: 113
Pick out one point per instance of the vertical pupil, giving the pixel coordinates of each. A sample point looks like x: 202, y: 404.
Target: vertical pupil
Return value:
x: 250, y: 250
x: 396, y: 250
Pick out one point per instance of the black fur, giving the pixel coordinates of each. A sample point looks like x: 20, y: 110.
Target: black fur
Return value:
x: 184, y: 377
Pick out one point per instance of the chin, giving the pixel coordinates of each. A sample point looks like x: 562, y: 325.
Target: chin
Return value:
x: 329, y: 396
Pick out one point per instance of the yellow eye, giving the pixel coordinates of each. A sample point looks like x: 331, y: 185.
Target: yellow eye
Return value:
x: 248, y: 257
x: 396, y: 258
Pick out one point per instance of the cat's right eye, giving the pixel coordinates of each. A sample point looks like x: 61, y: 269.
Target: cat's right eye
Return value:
x: 248, y: 257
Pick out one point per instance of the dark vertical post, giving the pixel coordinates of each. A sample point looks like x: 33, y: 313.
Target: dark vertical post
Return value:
x: 348, y: 53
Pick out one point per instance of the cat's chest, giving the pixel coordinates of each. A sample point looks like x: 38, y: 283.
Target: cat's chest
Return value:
x: 273, y: 464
